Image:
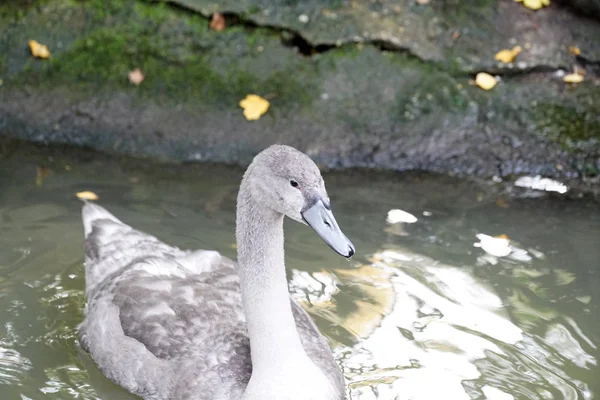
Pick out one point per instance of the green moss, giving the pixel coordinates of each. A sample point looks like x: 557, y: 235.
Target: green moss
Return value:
x: 180, y: 57
x: 566, y: 125
x: 16, y: 9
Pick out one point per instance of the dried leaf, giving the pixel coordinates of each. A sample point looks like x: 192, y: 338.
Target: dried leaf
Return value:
x: 39, y: 50
x: 136, y: 76
x: 254, y: 106
x: 485, y: 81
x: 501, y: 203
x: 40, y: 174
x: 534, y: 4
x: 86, y: 195
x: 575, y: 50
x: 217, y: 22
x: 575, y: 77
x: 508, y: 55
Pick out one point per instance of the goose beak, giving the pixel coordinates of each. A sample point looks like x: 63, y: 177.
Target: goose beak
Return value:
x: 319, y: 217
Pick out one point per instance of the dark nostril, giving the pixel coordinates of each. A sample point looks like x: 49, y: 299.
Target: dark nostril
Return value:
x: 351, y: 251
x: 327, y: 223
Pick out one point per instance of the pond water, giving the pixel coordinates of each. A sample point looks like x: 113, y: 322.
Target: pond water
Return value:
x: 418, y: 313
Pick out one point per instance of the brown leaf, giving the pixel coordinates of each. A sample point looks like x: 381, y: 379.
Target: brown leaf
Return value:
x: 40, y: 174
x: 217, y: 22
x: 136, y: 76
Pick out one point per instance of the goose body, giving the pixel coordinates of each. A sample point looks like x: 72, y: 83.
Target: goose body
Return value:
x: 165, y: 323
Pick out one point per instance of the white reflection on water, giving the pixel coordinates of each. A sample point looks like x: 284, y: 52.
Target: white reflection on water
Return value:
x: 428, y: 330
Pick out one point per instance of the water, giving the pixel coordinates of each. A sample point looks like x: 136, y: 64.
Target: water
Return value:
x: 418, y: 313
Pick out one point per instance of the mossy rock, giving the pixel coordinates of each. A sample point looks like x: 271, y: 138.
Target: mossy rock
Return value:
x: 353, y: 105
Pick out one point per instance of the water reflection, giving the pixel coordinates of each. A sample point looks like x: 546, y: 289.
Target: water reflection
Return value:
x: 430, y: 330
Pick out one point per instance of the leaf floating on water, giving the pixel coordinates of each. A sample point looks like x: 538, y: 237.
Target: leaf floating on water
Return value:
x: 575, y: 77
x: 136, y: 76
x: 217, y: 22
x: 39, y: 50
x: 539, y: 183
x: 40, y: 174
x: 87, y: 195
x: 575, y: 50
x: 254, y: 106
x: 485, y: 81
x: 396, y: 216
x: 507, y: 55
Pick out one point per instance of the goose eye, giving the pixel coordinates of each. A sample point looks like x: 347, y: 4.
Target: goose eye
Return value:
x: 294, y: 183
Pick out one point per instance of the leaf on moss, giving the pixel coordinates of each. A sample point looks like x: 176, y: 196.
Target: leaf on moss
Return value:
x: 507, y: 55
x: 217, y: 22
x: 575, y: 50
x: 136, y: 76
x: 575, y: 77
x: 254, y: 106
x: 87, y: 195
x: 39, y: 50
x: 485, y: 81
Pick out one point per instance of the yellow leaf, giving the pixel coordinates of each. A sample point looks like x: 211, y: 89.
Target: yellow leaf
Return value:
x: 573, y: 78
x: 87, y: 195
x: 254, y: 106
x: 485, y: 81
x: 575, y: 50
x: 507, y: 56
x: 38, y: 50
x: 534, y: 4
x: 502, y: 236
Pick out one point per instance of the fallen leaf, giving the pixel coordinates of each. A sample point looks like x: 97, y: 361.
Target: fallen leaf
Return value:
x: 86, y: 195
x: 485, y: 81
x: 40, y: 174
x: 575, y: 50
x: 501, y: 236
x: 254, y: 106
x: 501, y: 203
x: 136, y: 76
x: 217, y: 22
x: 38, y: 50
x: 534, y: 4
x: 455, y: 35
x: 507, y: 55
x: 575, y: 77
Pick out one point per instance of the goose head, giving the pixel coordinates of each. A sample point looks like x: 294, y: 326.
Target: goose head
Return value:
x: 290, y: 183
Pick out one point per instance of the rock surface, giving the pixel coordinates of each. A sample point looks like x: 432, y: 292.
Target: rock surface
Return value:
x: 346, y: 84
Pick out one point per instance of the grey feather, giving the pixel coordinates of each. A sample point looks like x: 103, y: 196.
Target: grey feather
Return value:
x: 169, y: 324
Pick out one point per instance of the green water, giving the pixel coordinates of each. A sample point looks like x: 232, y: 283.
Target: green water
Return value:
x: 418, y: 313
